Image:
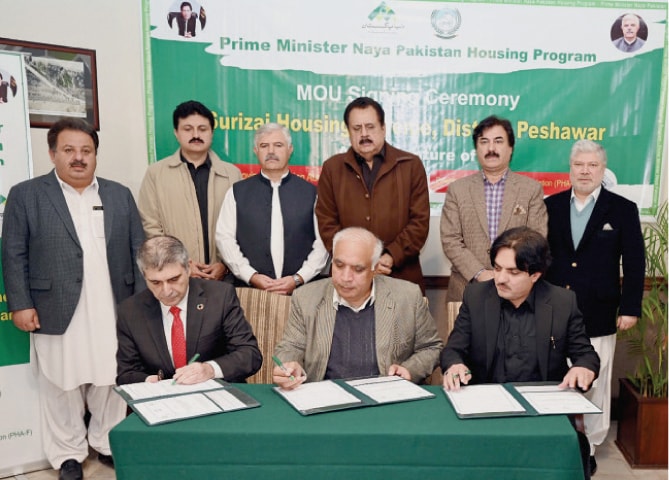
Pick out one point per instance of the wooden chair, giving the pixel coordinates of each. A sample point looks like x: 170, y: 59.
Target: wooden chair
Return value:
x: 444, y: 327
x: 267, y: 313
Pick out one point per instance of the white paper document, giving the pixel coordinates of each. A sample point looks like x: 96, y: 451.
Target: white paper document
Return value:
x: 312, y: 396
x: 175, y: 408
x: 389, y: 389
x: 483, y: 399
x: 226, y: 400
x: 139, y: 391
x: 549, y: 399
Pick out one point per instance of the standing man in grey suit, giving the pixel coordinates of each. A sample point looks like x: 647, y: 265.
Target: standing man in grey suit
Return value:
x: 590, y: 231
x: 356, y: 323
x: 69, y: 241
x: 176, y: 318
x: 481, y: 206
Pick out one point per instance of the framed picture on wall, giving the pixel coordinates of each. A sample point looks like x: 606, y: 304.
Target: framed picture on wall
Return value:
x: 62, y: 82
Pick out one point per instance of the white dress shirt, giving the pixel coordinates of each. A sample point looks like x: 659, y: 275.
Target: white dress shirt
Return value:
x: 168, y: 318
x: 226, y: 240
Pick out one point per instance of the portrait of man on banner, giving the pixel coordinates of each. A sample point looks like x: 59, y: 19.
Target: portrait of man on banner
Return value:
x: 184, y: 16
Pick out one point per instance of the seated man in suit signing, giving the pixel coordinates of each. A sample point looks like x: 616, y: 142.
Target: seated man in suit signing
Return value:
x: 517, y: 327
x: 179, y: 317
x: 356, y: 324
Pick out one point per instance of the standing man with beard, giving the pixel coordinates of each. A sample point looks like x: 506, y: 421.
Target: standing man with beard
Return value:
x: 481, y: 206
x: 181, y: 195
x: 377, y: 187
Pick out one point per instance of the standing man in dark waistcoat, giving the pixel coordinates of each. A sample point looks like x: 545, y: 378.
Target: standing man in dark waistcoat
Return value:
x: 267, y: 232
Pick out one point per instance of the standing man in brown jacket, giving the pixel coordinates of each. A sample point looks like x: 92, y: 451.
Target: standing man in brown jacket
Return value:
x: 378, y: 187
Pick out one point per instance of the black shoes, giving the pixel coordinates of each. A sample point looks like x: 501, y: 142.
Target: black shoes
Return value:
x: 70, y: 470
x: 593, y: 465
x: 106, y: 460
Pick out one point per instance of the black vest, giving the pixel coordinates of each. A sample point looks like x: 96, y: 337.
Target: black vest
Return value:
x: 253, y: 197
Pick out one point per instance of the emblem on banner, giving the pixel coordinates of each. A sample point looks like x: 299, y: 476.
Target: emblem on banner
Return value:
x: 446, y: 22
x: 382, y: 19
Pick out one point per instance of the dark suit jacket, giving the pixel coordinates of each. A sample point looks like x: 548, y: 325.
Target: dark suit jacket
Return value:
x: 560, y: 333
x: 42, y: 258
x: 215, y: 328
x: 593, y: 270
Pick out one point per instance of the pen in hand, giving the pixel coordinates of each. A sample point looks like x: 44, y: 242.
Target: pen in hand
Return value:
x: 281, y: 366
x: 194, y: 359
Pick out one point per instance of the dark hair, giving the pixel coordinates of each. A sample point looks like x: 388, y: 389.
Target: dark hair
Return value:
x: 532, y: 251
x: 191, y: 107
x: 493, y: 121
x: 70, y: 124
x: 364, y: 102
x: 185, y: 4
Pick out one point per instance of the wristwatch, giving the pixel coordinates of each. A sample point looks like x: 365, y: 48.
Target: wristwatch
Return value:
x: 298, y: 280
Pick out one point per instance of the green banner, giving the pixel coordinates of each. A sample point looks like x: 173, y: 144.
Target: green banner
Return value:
x: 437, y: 67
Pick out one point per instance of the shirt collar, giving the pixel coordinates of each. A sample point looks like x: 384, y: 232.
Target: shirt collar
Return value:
x: 381, y: 155
x: 65, y: 185
x: 337, y: 300
x: 500, y: 181
x: 183, y: 304
x: 206, y: 163
x: 272, y: 182
x: 527, y: 303
x: 594, y: 196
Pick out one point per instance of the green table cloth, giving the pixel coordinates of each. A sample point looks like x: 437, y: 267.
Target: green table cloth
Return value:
x: 412, y: 440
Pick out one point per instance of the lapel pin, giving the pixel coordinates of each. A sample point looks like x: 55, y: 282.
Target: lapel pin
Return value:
x: 200, y: 306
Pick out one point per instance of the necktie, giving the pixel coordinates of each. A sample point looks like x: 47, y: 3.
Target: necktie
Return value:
x: 178, y: 339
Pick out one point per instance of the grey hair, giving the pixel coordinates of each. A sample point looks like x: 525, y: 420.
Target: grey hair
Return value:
x: 362, y: 235
x: 269, y: 128
x: 587, y: 146
x: 157, y: 252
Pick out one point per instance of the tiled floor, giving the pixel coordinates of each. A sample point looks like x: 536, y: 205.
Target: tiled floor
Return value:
x: 611, y: 466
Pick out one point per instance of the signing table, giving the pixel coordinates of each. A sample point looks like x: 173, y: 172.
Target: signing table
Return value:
x: 413, y: 440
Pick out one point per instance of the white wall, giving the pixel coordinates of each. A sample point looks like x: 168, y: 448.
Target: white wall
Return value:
x: 113, y: 30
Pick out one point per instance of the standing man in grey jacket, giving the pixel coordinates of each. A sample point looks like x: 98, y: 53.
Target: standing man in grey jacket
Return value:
x: 69, y: 241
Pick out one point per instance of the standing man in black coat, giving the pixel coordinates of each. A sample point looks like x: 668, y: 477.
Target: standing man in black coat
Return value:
x: 589, y: 231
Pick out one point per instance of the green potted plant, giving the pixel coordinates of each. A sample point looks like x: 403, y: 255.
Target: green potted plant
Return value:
x: 642, y: 418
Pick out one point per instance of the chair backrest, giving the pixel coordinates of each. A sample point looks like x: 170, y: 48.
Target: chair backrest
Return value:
x: 267, y: 313
x: 444, y: 327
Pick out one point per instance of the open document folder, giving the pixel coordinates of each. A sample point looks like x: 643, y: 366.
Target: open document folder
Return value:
x: 508, y: 400
x: 163, y: 402
x: 331, y: 395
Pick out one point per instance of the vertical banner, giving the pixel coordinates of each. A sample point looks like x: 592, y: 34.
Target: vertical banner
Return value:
x: 20, y: 444
x: 559, y: 71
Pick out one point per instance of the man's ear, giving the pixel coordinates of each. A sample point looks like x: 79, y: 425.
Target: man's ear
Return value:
x: 535, y: 277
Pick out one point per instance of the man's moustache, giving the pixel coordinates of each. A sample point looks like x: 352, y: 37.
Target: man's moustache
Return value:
x: 195, y: 140
x: 77, y: 164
